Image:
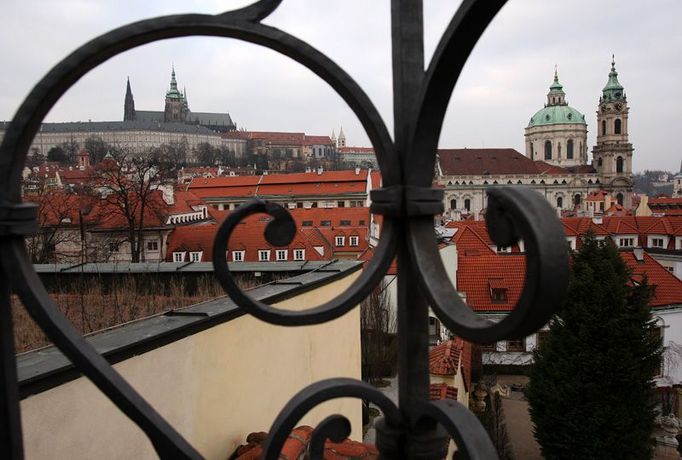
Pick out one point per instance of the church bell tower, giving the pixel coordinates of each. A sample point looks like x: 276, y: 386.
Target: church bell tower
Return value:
x: 612, y: 156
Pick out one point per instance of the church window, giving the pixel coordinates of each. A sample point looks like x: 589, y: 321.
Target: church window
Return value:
x: 467, y: 204
x: 600, y: 162
x: 617, y: 126
x: 558, y: 146
x: 569, y: 149
x: 619, y: 199
x: 576, y: 199
x: 559, y: 202
x: 619, y: 165
x: 453, y: 204
x: 548, y: 150
x: 603, y: 127
x: 532, y: 152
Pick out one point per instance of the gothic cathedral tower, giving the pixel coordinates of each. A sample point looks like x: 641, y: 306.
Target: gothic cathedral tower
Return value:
x: 175, y: 110
x: 612, y: 156
x: 129, y: 104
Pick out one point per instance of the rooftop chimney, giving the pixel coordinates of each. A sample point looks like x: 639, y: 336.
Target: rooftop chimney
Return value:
x: 357, y: 171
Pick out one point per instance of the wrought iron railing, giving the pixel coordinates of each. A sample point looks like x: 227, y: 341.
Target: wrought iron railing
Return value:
x: 416, y: 427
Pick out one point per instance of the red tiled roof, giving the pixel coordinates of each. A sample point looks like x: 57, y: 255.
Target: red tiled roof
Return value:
x: 247, y: 236
x: 438, y: 391
x: 481, y: 161
x: 317, y: 140
x: 474, y: 273
x: 667, y: 287
x: 444, y: 359
x: 599, y: 195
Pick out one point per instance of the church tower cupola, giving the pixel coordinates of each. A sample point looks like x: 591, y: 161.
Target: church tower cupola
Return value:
x: 556, y: 95
x: 612, y: 156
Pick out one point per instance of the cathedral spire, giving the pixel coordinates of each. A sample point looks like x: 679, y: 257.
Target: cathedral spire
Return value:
x: 128, y: 104
x: 173, y: 83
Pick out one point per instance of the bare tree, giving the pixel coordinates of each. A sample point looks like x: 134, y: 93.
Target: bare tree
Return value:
x: 128, y: 186
x: 60, y: 235
x: 379, y: 348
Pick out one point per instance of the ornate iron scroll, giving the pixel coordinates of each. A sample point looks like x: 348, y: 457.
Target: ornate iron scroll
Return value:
x: 407, y: 201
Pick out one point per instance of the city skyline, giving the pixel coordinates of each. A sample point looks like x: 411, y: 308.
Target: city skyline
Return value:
x: 502, y: 86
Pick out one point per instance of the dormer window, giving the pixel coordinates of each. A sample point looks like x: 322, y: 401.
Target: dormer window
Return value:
x: 498, y: 290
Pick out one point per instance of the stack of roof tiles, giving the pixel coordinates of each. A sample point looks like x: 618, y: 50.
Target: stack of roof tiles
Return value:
x: 296, y: 448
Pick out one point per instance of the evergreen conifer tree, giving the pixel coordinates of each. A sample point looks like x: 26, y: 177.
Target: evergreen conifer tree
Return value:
x: 591, y: 385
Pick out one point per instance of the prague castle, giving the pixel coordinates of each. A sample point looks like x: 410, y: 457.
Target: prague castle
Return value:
x: 141, y: 130
x: 556, y: 160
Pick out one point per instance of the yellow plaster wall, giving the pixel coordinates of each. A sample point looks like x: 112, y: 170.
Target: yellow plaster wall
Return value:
x: 214, y: 387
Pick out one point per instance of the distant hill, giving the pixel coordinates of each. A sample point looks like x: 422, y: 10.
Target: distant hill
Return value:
x: 649, y: 183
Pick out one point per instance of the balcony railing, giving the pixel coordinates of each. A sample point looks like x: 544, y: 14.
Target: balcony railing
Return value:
x: 415, y: 428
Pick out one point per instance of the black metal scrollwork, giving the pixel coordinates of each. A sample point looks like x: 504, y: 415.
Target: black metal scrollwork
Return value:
x: 406, y: 201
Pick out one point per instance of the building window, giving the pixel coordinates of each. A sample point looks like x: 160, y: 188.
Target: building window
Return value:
x: 340, y: 240
x: 113, y: 246
x: 307, y: 223
x: 178, y: 256
x: 498, y: 295
x: 344, y: 223
x: 361, y: 222
x: 326, y: 223
x: 453, y: 204
x: 532, y: 152
x: 603, y: 127
x: 559, y: 202
x: 569, y: 149
x: 195, y: 256
x: 263, y: 255
x: 516, y: 345
x: 354, y: 240
x: 467, y: 204
x: 299, y: 254
x: 576, y: 199
x: 281, y: 254
x: 503, y: 249
x: 548, y: 150
x: 299, y: 205
x: 488, y: 346
x: 620, y: 199
x: 619, y: 165
x: 153, y: 245
x: 237, y: 256
x: 617, y: 126
x: 657, y: 242
x: 341, y: 204
x: 626, y: 242
x: 543, y: 336
x: 600, y: 162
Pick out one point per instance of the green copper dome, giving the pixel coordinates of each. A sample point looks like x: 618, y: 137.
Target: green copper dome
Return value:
x: 556, y: 111
x: 556, y: 115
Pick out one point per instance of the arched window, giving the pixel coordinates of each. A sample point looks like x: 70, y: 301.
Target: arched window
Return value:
x: 548, y: 150
x: 617, y: 126
x: 620, y: 199
x: 600, y: 162
x: 603, y: 127
x: 558, y: 147
x: 576, y: 199
x: 559, y: 202
x: 453, y: 204
x: 467, y: 204
x: 619, y: 165
x: 569, y: 149
x: 532, y: 152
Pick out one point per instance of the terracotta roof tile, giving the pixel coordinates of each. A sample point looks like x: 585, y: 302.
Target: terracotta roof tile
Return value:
x: 444, y: 359
x: 438, y: 391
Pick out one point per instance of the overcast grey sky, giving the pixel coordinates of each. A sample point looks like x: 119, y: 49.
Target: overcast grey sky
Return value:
x: 503, y: 84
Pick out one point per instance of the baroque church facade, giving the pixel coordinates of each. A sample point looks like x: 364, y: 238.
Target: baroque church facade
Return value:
x: 556, y: 159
